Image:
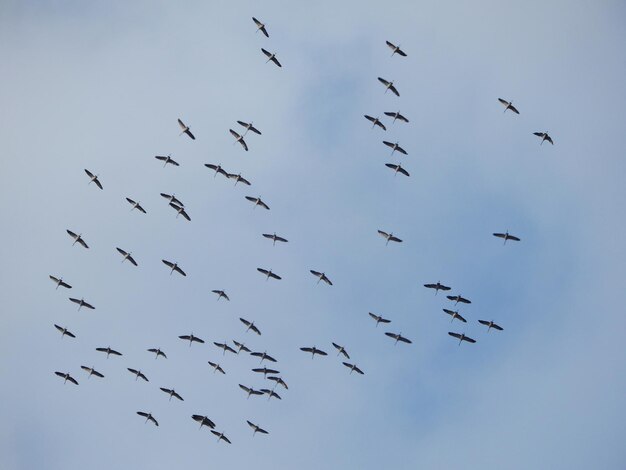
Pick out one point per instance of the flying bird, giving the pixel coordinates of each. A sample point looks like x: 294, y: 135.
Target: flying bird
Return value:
x: 217, y: 169
x: 241, y: 347
x: 59, y: 282
x: 250, y: 326
x: 171, y: 393
x: 93, y: 179
x: 270, y: 393
x: 395, y: 147
x: 249, y: 127
x: 461, y: 337
x: 268, y: 274
x: 264, y: 356
x: 314, y: 351
x: 66, y: 376
x: 216, y: 367
x: 220, y: 436
x: 81, y: 303
x: 265, y: 371
x: 544, y: 136
x: 341, y: 350
x: 257, y: 202
x: 135, y: 205
x: 353, y: 368
x: 180, y: 211
x: 157, y: 352
x: 389, y: 237
x: 77, y: 238
x: 174, y: 267
x: 437, y: 287
x: 185, y: 130
x: 397, y: 169
x: 64, y: 331
x: 389, y: 86
x: 396, y: 116
x: 172, y: 198
x: 508, y: 105
x: 378, y: 318
x: 127, y: 256
x: 398, y: 337
x: 490, y: 325
x: 239, y: 138
x: 192, y: 339
x: 148, y: 417
x: 454, y: 314
x: 279, y: 381
x: 375, y: 121
x: 256, y: 428
x: 238, y: 179
x: 458, y: 298
x: 250, y: 390
x: 275, y: 238
x: 271, y: 56
x: 221, y: 294
x: 92, y: 371
x: 506, y: 236
x: 138, y: 374
x: 260, y: 27
x: 321, y: 276
x: 224, y: 347
x: 109, y: 351
x: 167, y: 160
x: 203, y: 420
x: 395, y: 49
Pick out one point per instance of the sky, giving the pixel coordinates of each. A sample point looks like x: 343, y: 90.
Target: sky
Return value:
x: 99, y: 86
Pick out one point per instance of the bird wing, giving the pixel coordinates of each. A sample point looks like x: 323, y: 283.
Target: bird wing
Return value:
x: 516, y: 239
x: 197, y: 340
x: 244, y: 181
x: 449, y: 312
x: 468, y: 339
x: 275, y: 60
x: 383, y: 81
x: 97, y: 374
x: 497, y: 327
x: 395, y: 239
x: 383, y: 234
x: 461, y: 318
x: 315, y: 273
x: 72, y: 379
x: 180, y: 271
x: 401, y: 52
x: 87, y: 305
x: 82, y: 242
x: 264, y: 271
x: 504, y: 102
x: 356, y: 369
x: 483, y: 322
x: 132, y: 260
x: 177, y: 396
x: 243, y: 124
x: 394, y: 90
x: 369, y: 118
x: 381, y: 125
x: 455, y: 335
x: 234, y: 134
x: 306, y: 349
x: 499, y: 235
x: 404, y: 340
x: 159, y: 157
x: 388, y: 144
x: 514, y: 109
x: 122, y: 252
x: 320, y: 352
x: 211, y: 166
x: 327, y: 281
x: 255, y: 329
x: 401, y: 150
x: 182, y: 125
x: 89, y: 173
x: 263, y: 205
x: 255, y: 130
x: 392, y: 335
x: 463, y: 300
x: 243, y: 144
x: 391, y: 114
x: 275, y: 276
x: 98, y: 183
x: 245, y: 322
x: 267, y: 53
x: 244, y: 388
x: 403, y: 171
x: 185, y: 215
x: 168, y: 263
x: 114, y: 352
x: 71, y: 234
x: 130, y: 200
x: 549, y: 139
x: 400, y: 117
x: 391, y: 165
x: 539, y: 134
x: 391, y: 46
x: 185, y: 337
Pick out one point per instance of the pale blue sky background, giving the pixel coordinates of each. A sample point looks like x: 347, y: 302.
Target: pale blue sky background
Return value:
x: 99, y: 85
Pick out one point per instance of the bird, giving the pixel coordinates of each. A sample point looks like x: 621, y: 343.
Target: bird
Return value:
x: 271, y: 56
x: 378, y: 318
x: 321, y: 276
x: 490, y: 325
x: 81, y: 303
x: 238, y: 179
x: 389, y: 237
x: 66, y: 376
x: 250, y: 326
x: 250, y: 390
x: 275, y: 238
x: 249, y: 127
x: 220, y: 436
x: 398, y: 337
x: 217, y: 168
x: 313, y: 351
x: 376, y: 122
x: 185, y: 130
x: 239, y: 138
x: 389, y: 86
x: 93, y: 178
x: 396, y: 116
x: 135, y: 205
x: 260, y: 27
x: 544, y: 136
x: 353, y: 367
x: 268, y: 274
x: 221, y: 294
x: 461, y: 337
x: 192, y: 339
x: 241, y: 347
x: 59, y: 282
x: 203, y: 420
x: 454, y: 314
x: 265, y: 371
x: 506, y: 236
x: 167, y: 160
x: 157, y: 352
x: 395, y: 147
x: 508, y: 105
x: 256, y: 428
x: 127, y: 256
x: 257, y: 202
x: 109, y: 351
x: 395, y: 49
x: 279, y: 381
x: 341, y: 350
x: 180, y: 211
x: 137, y: 374
x: 174, y: 267
x: 172, y: 198
x: 148, y: 417
x: 437, y: 287
x: 92, y: 371
x: 270, y: 393
x: 458, y: 298
x: 397, y: 169
x: 216, y: 367
x: 64, y: 331
x: 171, y: 393
x: 264, y: 356
x: 77, y: 238
x: 225, y: 347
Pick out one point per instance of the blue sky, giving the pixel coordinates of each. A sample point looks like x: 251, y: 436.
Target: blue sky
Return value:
x: 100, y: 86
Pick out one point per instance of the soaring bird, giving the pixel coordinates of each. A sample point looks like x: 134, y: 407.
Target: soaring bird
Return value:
x: 59, y: 282
x: 389, y: 237
x: 135, y: 205
x: 271, y: 56
x: 92, y: 371
x: 185, y: 130
x: 279, y: 381
x: 341, y: 350
x: 77, y: 238
x: 398, y: 337
x: 249, y: 127
x: 216, y: 367
x: 544, y: 136
x: 437, y: 287
x: 221, y: 294
x: 506, y: 236
x: 275, y: 238
x: 239, y: 138
x: 66, y: 376
x: 138, y: 374
x: 454, y: 314
x: 375, y: 121
x: 265, y: 371
x: 321, y: 276
x: 395, y: 49
x: 490, y: 325
x: 313, y: 350
x: 457, y: 298
x: 260, y: 27
x: 192, y: 339
x: 250, y: 326
x: 203, y: 420
x: 353, y: 367
x: 220, y: 436
x: 180, y: 211
x: 241, y: 347
x: 397, y: 169
x: 250, y: 390
x: 171, y: 393
x: 257, y: 202
x: 508, y: 105
x: 167, y: 160
x: 461, y: 337
x: 148, y: 417
x: 127, y: 256
x: 93, y: 178
x: 256, y: 428
x: 81, y: 303
x: 264, y: 356
x: 268, y: 274
x: 64, y: 331
x: 378, y: 318
x: 389, y: 86
x: 396, y: 116
x: 109, y: 351
x: 224, y: 347
x: 217, y: 169
x: 395, y: 147
x: 238, y: 179
x: 157, y: 352
x: 172, y: 198
x: 174, y: 267
x: 270, y: 393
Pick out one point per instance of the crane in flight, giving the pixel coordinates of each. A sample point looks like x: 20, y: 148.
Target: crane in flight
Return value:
x: 59, y: 282
x: 171, y: 393
x: 127, y: 256
x: 398, y: 337
x: 77, y: 238
x: 172, y: 199
x: 271, y: 56
x: 93, y: 178
x: 353, y: 368
x: 203, y: 420
x: 256, y: 428
x: 109, y: 351
x: 185, y: 130
x: 264, y: 356
x: 217, y: 169
x: 461, y: 337
x: 92, y: 371
x: 239, y: 138
x: 458, y: 298
x: 454, y: 314
x: 396, y: 116
x: 137, y: 374
x: 64, y: 331
x: 375, y: 121
x: 257, y: 202
x: 221, y: 294
x: 395, y: 49
x: 157, y: 352
x: 180, y: 211
x: 135, y: 205
x: 260, y: 27
x: 66, y: 376
x: 544, y: 136
x: 341, y: 350
x: 313, y: 350
x: 238, y: 179
x: 265, y: 371
x: 241, y: 347
x: 508, y: 105
x: 216, y: 367
x: 321, y: 276
x: 81, y: 303
x: 220, y: 436
x: 192, y: 339
x: 249, y: 126
x: 268, y: 274
x: 279, y: 381
x: 224, y: 347
x: 250, y: 326
x: 148, y: 417
x: 389, y: 237
x: 437, y: 287
x: 174, y: 267
x: 275, y: 238
x: 250, y: 390
x: 506, y: 236
x: 167, y: 159
x: 378, y: 318
x: 490, y: 325
x: 395, y: 147
x: 270, y: 393
x: 397, y: 169
x: 388, y: 86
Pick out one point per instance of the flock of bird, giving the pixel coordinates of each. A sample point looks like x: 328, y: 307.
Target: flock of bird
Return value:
x: 271, y: 376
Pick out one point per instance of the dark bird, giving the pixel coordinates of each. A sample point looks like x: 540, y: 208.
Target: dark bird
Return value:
x: 203, y: 420
x: 264, y: 356
x: 173, y: 199
x: 265, y: 371
x: 171, y: 393
x: 275, y: 238
x: 437, y: 287
x: 217, y: 169
x: 461, y: 337
x: 135, y: 205
x: 250, y: 390
x: 66, y: 376
x: 397, y: 169
x: 127, y: 256
x: 258, y: 202
x: 109, y: 351
x: 174, y: 267
x: 313, y: 351
x: 249, y: 127
x: 221, y: 294
x: 157, y: 352
x: 389, y: 237
x: 81, y: 303
x: 270, y: 393
x: 353, y: 367
x: 77, y: 238
x: 396, y: 116
x: 239, y: 138
x: 59, y: 282
x: 378, y: 318
x: 454, y: 314
x: 389, y: 86
x: 137, y: 374
x: 250, y: 326
x: 64, y: 331
x: 167, y: 160
x: 395, y: 147
x: 192, y: 339
x: 260, y: 27
x: 220, y: 436
x: 268, y: 274
x: 148, y: 417
x: 241, y: 347
x: 321, y: 276
x: 508, y: 105
x: 341, y: 350
x: 490, y: 325
x: 185, y: 130
x: 395, y: 49
x: 544, y: 136
x: 224, y: 347
x: 376, y: 122
x: 92, y: 371
x: 399, y: 337
x: 239, y: 179
x: 180, y: 211
x: 279, y: 381
x: 216, y: 367
x: 458, y: 298
x: 93, y: 178
x: 256, y: 428
x: 271, y: 56
x: 506, y: 236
